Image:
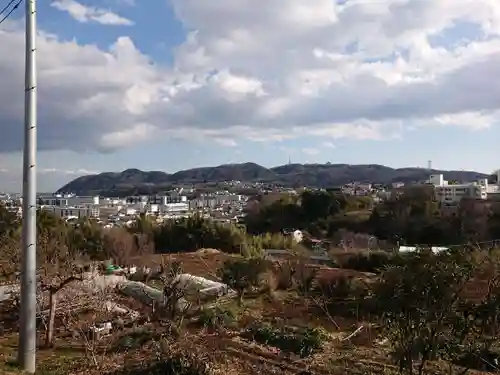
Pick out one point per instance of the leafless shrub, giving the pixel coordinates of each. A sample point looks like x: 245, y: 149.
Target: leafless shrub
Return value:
x: 144, y: 244
x: 119, y: 245
x: 177, y: 297
x: 10, y: 258
x: 92, y: 332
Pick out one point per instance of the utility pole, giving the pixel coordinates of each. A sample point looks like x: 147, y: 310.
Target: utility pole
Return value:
x: 27, y: 332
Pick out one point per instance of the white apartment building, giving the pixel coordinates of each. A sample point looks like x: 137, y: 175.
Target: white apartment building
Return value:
x: 67, y: 200
x: 155, y: 199
x: 176, y: 207
x: 215, y: 200
x: 175, y: 199
x: 73, y: 212
x: 450, y: 195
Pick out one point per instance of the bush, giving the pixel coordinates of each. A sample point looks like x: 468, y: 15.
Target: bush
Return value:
x: 374, y: 262
x: 302, y: 342
x: 178, y: 364
x: 345, y: 296
x: 431, y: 307
x: 215, y: 318
x: 295, y: 274
x: 272, y: 241
x: 242, y: 274
x: 284, y: 274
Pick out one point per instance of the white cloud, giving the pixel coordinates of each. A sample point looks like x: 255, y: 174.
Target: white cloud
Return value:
x: 47, y: 178
x: 291, y: 69
x: 79, y: 171
x: 125, y: 2
x: 310, y: 151
x: 329, y: 144
x: 84, y: 13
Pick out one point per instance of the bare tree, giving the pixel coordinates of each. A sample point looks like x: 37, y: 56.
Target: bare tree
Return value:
x: 119, y: 245
x: 53, y: 288
x: 10, y: 258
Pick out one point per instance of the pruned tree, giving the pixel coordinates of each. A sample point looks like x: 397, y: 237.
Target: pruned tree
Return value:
x: 9, y: 222
x: 10, y: 258
x: 119, y: 245
x: 53, y: 287
x: 174, y: 302
x: 426, y: 312
x: 242, y: 274
x: 59, y: 268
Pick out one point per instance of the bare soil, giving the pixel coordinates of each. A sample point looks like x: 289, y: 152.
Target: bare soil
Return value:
x: 230, y: 354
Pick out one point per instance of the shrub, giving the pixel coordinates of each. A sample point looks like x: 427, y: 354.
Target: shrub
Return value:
x: 178, y: 364
x: 427, y: 310
x: 345, y: 296
x: 374, y: 262
x: 215, y: 318
x: 284, y: 273
x: 302, y: 342
x: 242, y: 274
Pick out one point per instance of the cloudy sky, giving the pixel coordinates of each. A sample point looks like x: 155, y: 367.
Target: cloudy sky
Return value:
x: 174, y: 84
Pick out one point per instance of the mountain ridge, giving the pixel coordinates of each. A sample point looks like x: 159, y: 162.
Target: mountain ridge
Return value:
x: 318, y: 175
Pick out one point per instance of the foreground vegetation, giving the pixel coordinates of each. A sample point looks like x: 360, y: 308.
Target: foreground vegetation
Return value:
x: 423, y: 313
x: 378, y: 312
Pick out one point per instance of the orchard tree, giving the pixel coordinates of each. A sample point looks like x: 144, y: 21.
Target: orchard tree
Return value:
x: 9, y: 222
x: 418, y: 302
x: 242, y: 274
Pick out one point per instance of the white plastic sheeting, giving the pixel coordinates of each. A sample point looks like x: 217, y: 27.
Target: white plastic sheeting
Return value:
x: 204, y: 286
x: 7, y: 291
x: 141, y: 292
x: 149, y: 295
x: 409, y: 249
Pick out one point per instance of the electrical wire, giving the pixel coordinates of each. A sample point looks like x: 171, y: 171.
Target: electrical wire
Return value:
x: 7, y: 15
x: 7, y: 6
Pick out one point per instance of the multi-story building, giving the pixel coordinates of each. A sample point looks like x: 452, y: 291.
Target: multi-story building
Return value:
x: 67, y: 200
x: 175, y: 199
x: 67, y: 212
x: 452, y: 194
x: 215, y: 200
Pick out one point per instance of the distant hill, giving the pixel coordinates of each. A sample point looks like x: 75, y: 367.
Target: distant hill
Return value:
x: 136, y: 181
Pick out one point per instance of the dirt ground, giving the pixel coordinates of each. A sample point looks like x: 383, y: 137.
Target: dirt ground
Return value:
x: 234, y: 355
x: 230, y: 354
x: 200, y: 263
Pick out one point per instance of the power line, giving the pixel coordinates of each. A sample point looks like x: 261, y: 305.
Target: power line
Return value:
x: 7, y: 6
x: 7, y: 15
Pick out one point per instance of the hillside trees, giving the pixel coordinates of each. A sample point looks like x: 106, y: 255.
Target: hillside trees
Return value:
x: 446, y: 314
x: 411, y: 216
x: 318, y: 212
x: 195, y: 233
x: 273, y: 217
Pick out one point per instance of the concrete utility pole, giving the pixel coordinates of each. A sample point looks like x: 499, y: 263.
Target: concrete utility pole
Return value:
x: 27, y: 333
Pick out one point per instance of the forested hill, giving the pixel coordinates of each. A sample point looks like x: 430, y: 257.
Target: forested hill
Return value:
x: 318, y: 175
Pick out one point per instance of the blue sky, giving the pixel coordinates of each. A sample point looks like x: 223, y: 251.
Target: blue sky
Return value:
x: 176, y: 84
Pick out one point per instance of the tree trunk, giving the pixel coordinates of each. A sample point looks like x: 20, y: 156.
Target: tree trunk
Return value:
x: 240, y: 298
x: 49, y: 338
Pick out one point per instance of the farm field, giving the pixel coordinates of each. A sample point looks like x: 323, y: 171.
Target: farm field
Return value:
x: 351, y: 344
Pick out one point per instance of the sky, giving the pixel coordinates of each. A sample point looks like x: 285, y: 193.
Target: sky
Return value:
x: 176, y: 84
